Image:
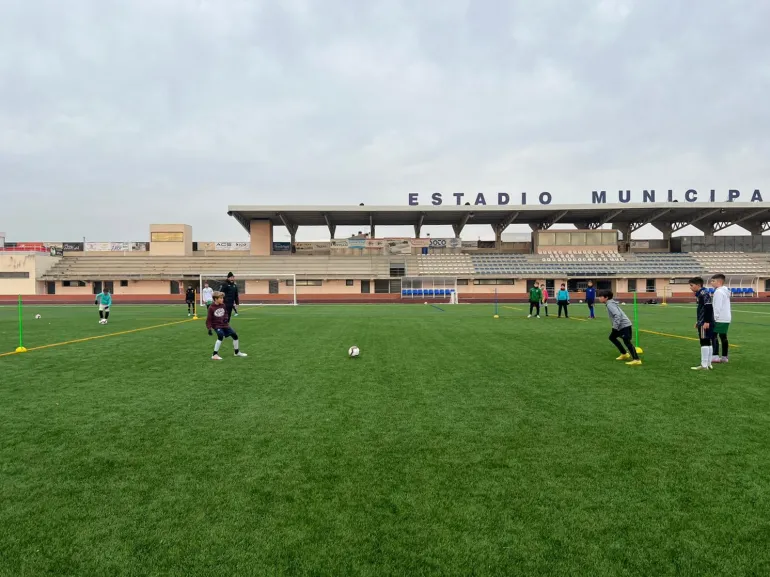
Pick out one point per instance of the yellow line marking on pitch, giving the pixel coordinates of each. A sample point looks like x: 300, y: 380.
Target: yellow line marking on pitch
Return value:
x: 93, y: 338
x: 512, y: 308
x: 676, y: 336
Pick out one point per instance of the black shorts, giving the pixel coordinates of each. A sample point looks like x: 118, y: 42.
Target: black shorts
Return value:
x: 624, y: 333
x: 706, y: 333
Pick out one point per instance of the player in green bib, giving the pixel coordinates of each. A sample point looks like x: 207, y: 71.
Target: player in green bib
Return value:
x: 535, y: 297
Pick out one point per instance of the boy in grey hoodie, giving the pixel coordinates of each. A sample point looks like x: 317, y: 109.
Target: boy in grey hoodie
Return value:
x: 621, y: 328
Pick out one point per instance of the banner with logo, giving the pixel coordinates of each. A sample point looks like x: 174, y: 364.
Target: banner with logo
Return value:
x: 140, y: 246
x: 72, y: 246
x: 445, y: 243
x: 235, y: 246
x: 419, y: 242
x: 207, y: 246
x: 98, y: 246
x: 640, y: 244
x: 32, y: 246
x: 375, y: 243
x: 314, y: 247
x: 470, y: 244
x: 399, y: 246
x: 120, y: 247
x: 281, y: 247
x: 337, y: 245
x: 357, y: 243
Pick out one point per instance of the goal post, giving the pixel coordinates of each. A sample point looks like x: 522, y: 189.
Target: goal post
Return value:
x: 255, y: 289
x: 430, y: 288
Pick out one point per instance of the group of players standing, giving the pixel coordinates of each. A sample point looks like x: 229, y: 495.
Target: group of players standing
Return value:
x: 712, y: 321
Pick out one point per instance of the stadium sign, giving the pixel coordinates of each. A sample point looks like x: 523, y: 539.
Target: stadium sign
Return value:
x: 597, y: 197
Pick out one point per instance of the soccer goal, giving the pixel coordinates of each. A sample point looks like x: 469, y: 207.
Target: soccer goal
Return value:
x: 255, y: 289
x: 428, y: 288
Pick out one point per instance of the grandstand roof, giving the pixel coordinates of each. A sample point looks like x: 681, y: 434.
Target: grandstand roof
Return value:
x: 543, y: 216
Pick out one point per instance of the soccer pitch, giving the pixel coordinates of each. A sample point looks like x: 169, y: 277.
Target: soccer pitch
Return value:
x: 457, y: 444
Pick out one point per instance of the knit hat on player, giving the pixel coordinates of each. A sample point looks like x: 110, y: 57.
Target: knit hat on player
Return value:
x: 230, y: 275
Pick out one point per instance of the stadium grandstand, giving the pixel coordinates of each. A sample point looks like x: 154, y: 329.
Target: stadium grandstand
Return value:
x: 368, y: 269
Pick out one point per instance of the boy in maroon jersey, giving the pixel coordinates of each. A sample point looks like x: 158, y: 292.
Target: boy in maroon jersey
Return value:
x: 217, y: 320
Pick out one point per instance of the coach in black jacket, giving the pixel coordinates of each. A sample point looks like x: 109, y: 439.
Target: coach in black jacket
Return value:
x: 230, y: 290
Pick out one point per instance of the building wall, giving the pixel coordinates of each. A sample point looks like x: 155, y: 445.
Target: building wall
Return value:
x: 18, y: 263
x: 183, y: 248
x: 334, y: 286
x: 159, y: 287
x: 261, y: 237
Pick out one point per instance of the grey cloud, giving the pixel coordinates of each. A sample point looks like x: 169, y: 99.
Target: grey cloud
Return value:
x: 171, y: 110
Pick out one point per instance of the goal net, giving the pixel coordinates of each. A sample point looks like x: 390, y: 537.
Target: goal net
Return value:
x: 427, y: 288
x: 255, y: 289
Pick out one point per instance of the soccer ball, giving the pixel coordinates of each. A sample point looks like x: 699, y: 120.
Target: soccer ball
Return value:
x: 354, y: 351
x: 38, y: 317
x: 581, y: 300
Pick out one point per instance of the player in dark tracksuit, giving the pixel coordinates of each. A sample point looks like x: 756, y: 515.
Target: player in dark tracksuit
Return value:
x: 230, y: 290
x: 590, y: 299
x: 189, y: 298
x: 704, y: 323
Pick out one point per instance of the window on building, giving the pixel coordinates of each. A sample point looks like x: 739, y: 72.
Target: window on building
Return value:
x: 650, y: 288
x: 632, y: 285
x: 493, y: 281
x: 14, y: 274
x: 767, y: 285
x: 305, y: 282
x: 462, y: 282
x: 70, y: 283
x: 124, y: 283
x: 349, y: 282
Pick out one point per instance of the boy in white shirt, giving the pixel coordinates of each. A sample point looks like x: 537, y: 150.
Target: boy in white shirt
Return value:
x: 207, y: 294
x: 722, y: 317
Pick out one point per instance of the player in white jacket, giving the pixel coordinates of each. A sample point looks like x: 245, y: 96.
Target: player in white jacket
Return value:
x: 207, y: 295
x: 722, y: 317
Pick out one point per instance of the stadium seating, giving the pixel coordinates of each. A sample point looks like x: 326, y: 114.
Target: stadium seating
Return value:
x: 586, y: 264
x: 732, y: 263
x: 444, y: 265
x: 550, y: 264
x: 148, y: 267
x: 739, y: 291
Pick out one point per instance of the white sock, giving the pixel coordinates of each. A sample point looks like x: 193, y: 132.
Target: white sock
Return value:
x: 217, y: 345
x: 235, y: 346
x: 704, y: 356
x: 711, y: 355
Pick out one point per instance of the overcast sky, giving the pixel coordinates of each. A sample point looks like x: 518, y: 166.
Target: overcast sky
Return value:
x: 117, y: 114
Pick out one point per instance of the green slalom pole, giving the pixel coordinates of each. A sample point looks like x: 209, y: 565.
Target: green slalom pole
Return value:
x: 497, y: 314
x: 20, y: 348
x: 636, y: 325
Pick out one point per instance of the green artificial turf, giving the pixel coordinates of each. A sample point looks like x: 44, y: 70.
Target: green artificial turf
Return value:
x: 457, y: 444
